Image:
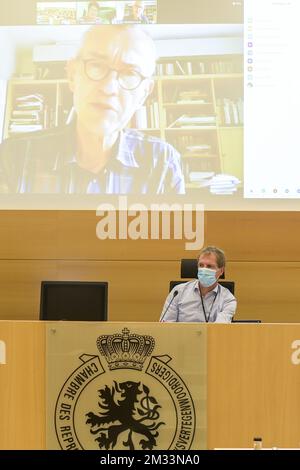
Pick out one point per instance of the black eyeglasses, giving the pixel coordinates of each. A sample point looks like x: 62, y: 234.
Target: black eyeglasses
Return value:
x: 96, y: 70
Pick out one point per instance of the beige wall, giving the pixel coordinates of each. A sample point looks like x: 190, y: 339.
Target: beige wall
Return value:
x: 263, y: 253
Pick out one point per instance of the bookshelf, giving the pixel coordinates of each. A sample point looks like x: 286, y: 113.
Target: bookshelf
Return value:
x: 196, y: 106
x: 34, y: 105
x: 201, y: 104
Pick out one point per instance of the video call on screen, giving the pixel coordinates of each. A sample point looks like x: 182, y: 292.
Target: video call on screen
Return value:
x: 15, y: 12
x: 221, y: 100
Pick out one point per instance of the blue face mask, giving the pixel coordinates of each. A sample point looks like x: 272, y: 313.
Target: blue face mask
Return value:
x: 207, y: 277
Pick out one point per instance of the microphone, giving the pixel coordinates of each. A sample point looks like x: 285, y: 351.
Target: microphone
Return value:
x: 173, y: 297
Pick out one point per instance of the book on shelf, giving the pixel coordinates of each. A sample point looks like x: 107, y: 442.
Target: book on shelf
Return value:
x: 198, y: 148
x: 194, y: 172
x: 190, y: 121
x: 31, y: 105
x: 201, y: 156
x: 25, y: 127
x: 31, y: 113
x: 218, y: 183
x: 180, y: 67
x: 21, y: 113
x: 188, y: 102
x: 200, y: 65
x: 37, y: 97
x: 200, y: 179
x: 194, y: 145
x: 230, y: 111
x: 178, y: 95
x: 24, y: 120
x: 224, y: 184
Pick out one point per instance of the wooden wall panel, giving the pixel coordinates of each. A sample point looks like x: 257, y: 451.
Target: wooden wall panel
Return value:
x: 246, y: 236
x: 72, y: 235
x: 20, y: 287
x: 253, y: 386
x: 137, y: 289
x: 28, y: 234
x: 255, y: 236
x: 22, y: 385
x: 267, y: 291
x: 262, y: 250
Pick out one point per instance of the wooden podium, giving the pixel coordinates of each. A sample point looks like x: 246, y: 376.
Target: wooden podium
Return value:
x: 252, y: 386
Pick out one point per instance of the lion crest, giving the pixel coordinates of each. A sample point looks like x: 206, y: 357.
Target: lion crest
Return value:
x: 124, y: 407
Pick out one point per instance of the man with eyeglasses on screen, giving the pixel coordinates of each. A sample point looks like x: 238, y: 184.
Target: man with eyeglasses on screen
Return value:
x: 110, y: 78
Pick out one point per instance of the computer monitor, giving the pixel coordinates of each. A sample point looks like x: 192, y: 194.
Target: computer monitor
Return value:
x: 73, y: 300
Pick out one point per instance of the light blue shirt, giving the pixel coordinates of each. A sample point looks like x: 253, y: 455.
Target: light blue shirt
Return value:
x: 46, y: 162
x: 186, y: 306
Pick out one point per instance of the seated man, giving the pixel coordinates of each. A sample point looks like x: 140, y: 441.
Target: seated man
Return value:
x: 97, y: 14
x: 92, y: 14
x: 137, y: 15
x: 202, y: 300
x: 110, y: 78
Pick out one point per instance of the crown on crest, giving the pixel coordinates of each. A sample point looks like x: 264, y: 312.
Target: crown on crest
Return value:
x: 125, y: 350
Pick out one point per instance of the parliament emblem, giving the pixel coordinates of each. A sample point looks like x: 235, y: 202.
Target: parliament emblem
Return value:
x: 125, y: 398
